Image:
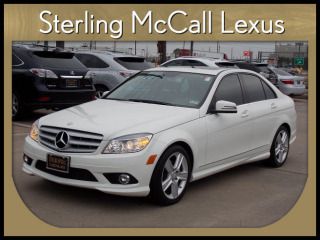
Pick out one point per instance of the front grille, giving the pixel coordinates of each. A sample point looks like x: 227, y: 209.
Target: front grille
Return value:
x: 74, y: 173
x: 79, y: 141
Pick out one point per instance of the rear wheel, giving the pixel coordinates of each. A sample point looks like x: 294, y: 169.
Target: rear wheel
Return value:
x: 280, y: 148
x: 100, y: 90
x: 171, y: 176
x: 18, y: 109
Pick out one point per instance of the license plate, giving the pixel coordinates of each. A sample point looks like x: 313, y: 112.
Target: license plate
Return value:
x: 71, y: 83
x: 58, y: 163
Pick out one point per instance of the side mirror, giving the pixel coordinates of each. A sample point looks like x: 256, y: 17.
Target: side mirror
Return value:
x: 222, y: 106
x: 105, y: 94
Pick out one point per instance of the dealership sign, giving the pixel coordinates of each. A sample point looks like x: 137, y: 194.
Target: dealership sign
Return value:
x: 247, y: 53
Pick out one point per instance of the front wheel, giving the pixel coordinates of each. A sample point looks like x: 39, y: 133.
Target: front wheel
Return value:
x: 171, y: 176
x: 280, y: 148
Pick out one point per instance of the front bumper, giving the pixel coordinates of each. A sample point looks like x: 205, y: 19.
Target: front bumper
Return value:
x: 96, y: 164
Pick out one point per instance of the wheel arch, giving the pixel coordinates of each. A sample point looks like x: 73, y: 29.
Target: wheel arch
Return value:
x: 186, y: 146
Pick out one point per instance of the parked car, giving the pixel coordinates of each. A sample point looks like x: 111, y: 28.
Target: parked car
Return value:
x: 258, y: 68
x: 266, y: 72
x: 288, y: 83
x: 110, y: 69
x: 191, y: 61
x: 47, y: 79
x: 168, y: 127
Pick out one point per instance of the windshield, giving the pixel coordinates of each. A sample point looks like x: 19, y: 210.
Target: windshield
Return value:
x: 167, y: 88
x: 281, y: 72
x: 133, y: 63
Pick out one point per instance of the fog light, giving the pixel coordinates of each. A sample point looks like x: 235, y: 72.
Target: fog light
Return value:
x: 124, y: 178
x: 27, y: 160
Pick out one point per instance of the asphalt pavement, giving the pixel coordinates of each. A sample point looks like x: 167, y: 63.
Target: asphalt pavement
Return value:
x: 251, y: 195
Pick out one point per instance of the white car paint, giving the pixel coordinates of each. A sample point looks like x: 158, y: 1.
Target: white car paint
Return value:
x: 217, y: 141
x: 207, y: 61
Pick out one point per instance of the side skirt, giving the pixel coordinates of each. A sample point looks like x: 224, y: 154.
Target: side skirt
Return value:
x: 254, y: 155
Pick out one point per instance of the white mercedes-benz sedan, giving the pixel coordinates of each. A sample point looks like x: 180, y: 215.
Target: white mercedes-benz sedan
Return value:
x: 161, y: 129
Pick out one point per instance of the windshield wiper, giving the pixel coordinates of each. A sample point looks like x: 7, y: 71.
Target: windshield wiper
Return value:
x: 149, y: 101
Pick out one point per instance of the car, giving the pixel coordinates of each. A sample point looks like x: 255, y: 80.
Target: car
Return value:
x: 110, y: 69
x: 289, y: 84
x: 47, y: 79
x: 258, y: 68
x: 168, y: 127
x: 266, y: 72
x: 191, y: 61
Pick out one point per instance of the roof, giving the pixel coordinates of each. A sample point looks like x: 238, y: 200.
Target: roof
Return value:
x: 108, y: 53
x: 200, y: 70
x: 35, y: 47
x: 200, y: 58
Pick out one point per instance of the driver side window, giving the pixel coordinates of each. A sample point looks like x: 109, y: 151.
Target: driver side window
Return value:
x: 229, y: 89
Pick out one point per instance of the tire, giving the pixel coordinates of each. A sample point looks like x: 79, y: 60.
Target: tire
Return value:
x: 18, y: 109
x: 169, y: 181
x: 100, y: 90
x: 280, y: 148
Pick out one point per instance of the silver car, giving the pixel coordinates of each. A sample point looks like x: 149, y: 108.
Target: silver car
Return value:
x: 288, y: 83
x: 109, y: 69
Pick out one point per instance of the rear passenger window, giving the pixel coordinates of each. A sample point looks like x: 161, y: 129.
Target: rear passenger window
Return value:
x: 91, y: 61
x: 268, y: 91
x: 254, y: 89
x: 229, y: 89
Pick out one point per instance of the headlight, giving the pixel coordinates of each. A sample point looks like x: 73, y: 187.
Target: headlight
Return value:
x: 34, y: 132
x: 129, y: 143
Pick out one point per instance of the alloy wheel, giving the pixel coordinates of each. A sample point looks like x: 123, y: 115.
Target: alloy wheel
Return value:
x: 99, y: 93
x: 174, y: 175
x: 15, y: 105
x: 281, y: 146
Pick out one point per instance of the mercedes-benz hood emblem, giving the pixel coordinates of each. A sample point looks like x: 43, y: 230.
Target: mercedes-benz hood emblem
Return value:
x: 62, y: 139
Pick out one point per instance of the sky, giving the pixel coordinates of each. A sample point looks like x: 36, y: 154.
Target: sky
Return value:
x: 232, y: 49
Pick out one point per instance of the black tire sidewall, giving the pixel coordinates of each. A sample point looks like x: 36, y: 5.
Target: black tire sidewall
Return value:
x: 156, y: 193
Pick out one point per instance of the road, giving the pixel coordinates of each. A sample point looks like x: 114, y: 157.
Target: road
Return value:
x: 251, y: 195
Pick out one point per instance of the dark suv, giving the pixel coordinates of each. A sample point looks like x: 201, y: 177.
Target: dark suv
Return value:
x: 47, y: 79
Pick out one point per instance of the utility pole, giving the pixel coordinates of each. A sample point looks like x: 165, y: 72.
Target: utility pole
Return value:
x: 60, y: 44
x: 135, y: 47
x: 191, y: 48
x: 46, y: 47
x: 162, y: 50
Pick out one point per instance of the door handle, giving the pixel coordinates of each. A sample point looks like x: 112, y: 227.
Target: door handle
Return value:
x: 273, y: 105
x: 244, y: 114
